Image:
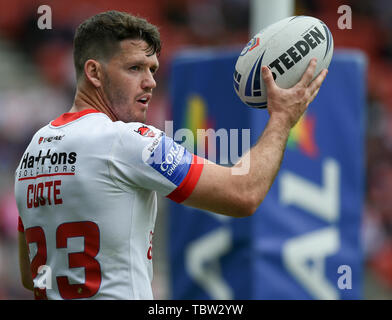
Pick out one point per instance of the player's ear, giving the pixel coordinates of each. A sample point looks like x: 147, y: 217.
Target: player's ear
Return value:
x: 93, y: 72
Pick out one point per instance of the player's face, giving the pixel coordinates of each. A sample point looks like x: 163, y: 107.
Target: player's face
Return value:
x: 128, y: 80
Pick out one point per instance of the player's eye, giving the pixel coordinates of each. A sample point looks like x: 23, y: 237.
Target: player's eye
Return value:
x: 134, y: 68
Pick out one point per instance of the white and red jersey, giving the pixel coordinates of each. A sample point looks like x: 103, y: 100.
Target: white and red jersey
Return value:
x: 86, y: 193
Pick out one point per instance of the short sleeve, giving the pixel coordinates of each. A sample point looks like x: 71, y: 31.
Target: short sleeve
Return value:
x: 144, y: 157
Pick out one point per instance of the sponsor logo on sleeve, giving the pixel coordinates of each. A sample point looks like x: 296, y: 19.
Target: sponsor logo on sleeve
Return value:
x: 145, y: 132
x: 170, y: 159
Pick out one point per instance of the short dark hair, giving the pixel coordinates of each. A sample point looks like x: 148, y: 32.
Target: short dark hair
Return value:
x: 98, y: 37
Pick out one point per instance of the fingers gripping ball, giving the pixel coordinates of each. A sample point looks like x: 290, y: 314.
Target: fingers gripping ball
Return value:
x: 286, y: 47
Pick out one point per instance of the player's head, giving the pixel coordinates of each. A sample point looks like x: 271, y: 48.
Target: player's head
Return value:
x: 117, y: 53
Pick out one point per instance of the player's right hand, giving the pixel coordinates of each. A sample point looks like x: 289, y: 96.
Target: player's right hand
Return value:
x: 289, y: 104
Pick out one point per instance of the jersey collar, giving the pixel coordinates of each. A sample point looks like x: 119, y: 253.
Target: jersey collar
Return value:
x: 71, y: 116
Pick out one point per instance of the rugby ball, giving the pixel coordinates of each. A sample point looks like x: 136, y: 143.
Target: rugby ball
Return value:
x: 286, y: 47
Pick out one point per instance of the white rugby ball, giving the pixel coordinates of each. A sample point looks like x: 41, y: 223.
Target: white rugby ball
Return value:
x: 286, y: 47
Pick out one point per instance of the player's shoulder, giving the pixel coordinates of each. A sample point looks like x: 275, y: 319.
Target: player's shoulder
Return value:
x: 138, y: 129
x: 39, y: 135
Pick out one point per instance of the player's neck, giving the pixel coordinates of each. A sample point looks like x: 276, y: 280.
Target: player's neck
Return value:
x: 91, y: 98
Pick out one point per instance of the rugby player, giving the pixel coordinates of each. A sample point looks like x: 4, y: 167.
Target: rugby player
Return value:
x: 86, y: 186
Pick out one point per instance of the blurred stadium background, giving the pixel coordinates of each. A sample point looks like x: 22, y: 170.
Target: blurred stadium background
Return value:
x: 37, y: 84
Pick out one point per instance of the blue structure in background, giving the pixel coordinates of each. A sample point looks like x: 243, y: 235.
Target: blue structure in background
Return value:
x: 304, y: 240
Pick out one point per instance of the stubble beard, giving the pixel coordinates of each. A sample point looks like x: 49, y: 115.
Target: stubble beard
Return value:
x: 119, y: 102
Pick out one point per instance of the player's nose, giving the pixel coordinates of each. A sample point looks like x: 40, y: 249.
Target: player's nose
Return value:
x: 149, y: 82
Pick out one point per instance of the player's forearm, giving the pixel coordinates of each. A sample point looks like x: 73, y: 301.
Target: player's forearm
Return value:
x: 264, y: 159
x: 238, y: 191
